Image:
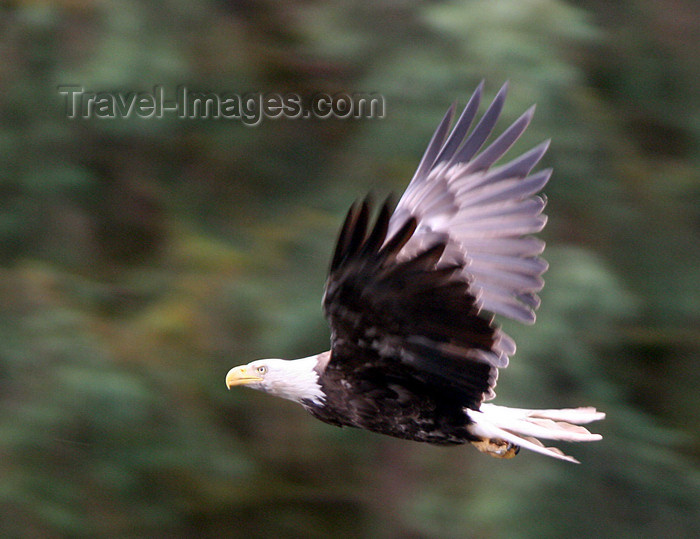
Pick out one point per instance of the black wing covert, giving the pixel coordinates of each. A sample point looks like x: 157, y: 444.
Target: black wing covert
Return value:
x: 414, y: 319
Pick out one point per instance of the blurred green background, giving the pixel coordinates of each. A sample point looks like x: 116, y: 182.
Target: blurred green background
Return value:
x: 141, y: 259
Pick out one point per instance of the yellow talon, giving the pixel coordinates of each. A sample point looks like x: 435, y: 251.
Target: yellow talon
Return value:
x: 497, y: 448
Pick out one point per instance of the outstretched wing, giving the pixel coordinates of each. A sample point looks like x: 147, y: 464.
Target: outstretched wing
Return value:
x: 411, y: 292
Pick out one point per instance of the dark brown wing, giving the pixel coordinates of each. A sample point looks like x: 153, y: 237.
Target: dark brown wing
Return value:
x: 413, y: 319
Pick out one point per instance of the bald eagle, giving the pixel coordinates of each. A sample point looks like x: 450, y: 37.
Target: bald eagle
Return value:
x: 414, y: 353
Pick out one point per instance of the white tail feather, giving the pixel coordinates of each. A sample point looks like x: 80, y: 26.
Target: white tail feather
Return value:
x: 522, y: 427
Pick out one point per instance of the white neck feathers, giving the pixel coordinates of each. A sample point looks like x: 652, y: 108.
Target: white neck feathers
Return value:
x: 294, y: 379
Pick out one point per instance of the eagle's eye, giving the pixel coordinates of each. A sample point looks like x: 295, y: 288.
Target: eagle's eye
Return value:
x: 262, y: 369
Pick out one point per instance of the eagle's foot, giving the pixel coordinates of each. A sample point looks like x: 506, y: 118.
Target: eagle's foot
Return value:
x: 497, y: 448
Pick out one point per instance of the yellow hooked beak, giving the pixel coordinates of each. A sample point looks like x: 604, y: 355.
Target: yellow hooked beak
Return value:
x: 239, y: 376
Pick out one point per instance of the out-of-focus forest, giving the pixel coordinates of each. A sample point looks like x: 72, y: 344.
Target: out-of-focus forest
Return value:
x: 142, y: 258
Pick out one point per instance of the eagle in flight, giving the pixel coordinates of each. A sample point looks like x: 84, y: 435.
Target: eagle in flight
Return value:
x: 410, y: 299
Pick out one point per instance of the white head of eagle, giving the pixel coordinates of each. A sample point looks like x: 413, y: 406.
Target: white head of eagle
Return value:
x: 410, y: 300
